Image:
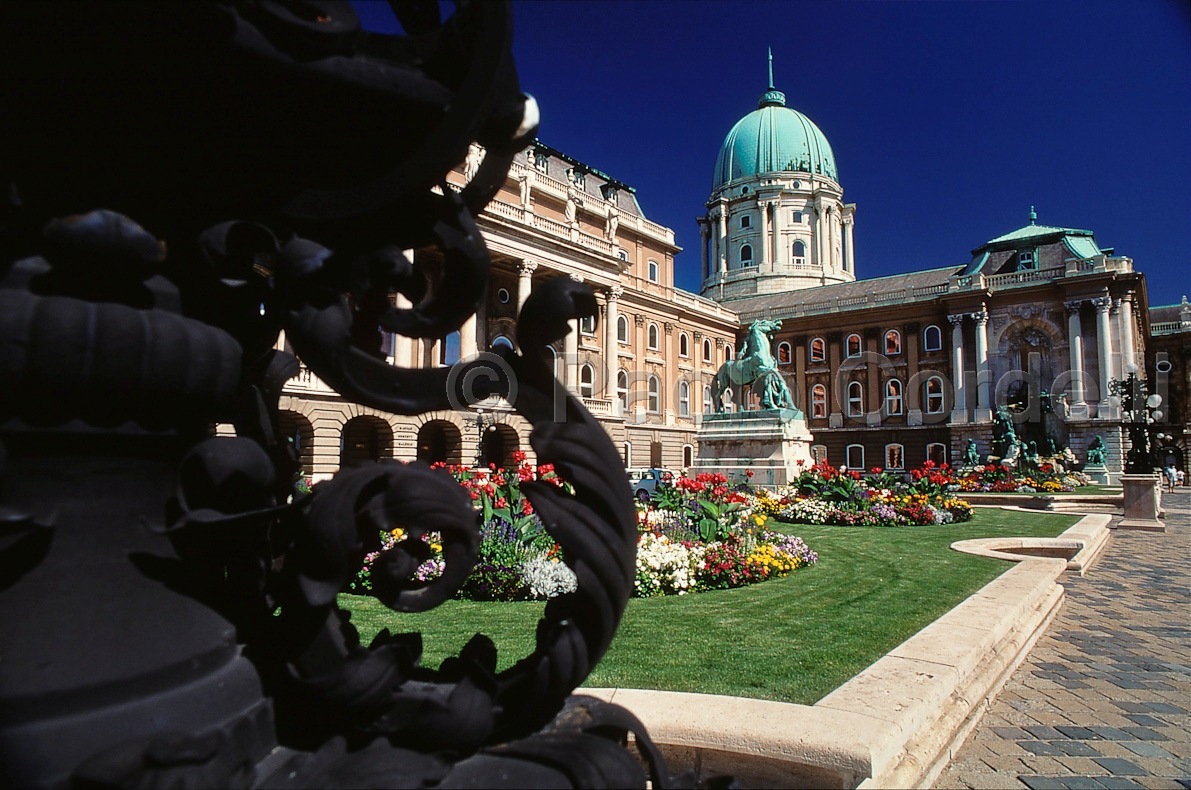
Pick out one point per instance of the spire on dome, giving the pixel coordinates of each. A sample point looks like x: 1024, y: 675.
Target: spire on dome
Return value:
x: 772, y: 97
x: 1033, y: 216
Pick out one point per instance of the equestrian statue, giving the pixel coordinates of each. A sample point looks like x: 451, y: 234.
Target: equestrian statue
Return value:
x: 756, y: 366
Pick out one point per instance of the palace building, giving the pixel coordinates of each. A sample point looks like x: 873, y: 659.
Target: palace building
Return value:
x: 890, y: 371
x: 894, y: 371
x: 642, y: 369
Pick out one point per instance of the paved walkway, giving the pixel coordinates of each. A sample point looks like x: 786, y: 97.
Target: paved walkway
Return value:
x: 1104, y: 698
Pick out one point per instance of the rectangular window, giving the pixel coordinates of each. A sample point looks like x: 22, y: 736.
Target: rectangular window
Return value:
x: 855, y: 456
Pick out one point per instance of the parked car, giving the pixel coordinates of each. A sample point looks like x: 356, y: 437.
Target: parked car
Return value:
x: 645, y: 482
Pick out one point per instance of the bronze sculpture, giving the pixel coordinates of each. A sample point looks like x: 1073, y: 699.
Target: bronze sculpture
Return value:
x: 184, y: 182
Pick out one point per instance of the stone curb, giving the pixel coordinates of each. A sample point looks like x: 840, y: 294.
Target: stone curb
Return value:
x: 1083, y: 543
x: 898, y: 722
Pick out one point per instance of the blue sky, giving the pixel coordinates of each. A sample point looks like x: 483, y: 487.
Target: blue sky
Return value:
x: 948, y: 119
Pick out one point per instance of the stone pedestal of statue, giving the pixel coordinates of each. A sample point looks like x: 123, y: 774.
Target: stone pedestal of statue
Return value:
x: 1099, y: 474
x: 770, y: 442
x: 1143, y: 503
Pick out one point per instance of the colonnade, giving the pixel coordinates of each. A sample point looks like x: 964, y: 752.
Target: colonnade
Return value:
x: 1115, y: 356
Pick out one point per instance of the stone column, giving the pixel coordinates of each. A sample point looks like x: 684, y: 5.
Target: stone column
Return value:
x: 766, y: 238
x: 723, y: 234
x: 849, y: 257
x: 1079, y: 408
x: 1126, y: 321
x: 524, y: 282
x: 959, y: 414
x: 704, y: 235
x: 1104, y: 352
x: 669, y: 377
x: 1114, y: 328
x: 714, y: 233
x: 403, y: 347
x: 697, y: 383
x: 611, y: 345
x: 983, y: 411
x: 467, y: 338
x: 779, y: 225
x: 571, y: 350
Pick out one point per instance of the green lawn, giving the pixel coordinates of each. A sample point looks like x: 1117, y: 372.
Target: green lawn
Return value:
x: 793, y: 639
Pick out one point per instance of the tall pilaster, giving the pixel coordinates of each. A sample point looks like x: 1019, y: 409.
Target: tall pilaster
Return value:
x: 611, y: 344
x: 723, y: 236
x: 524, y: 282
x: 959, y: 413
x: 983, y: 411
x: 1126, y: 321
x: 571, y: 349
x: 1104, y: 352
x: 763, y: 207
x: 467, y: 338
x: 1079, y: 407
x: 849, y: 263
x: 779, y: 226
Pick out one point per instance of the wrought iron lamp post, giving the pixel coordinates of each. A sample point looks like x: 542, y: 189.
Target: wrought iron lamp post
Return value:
x: 484, y: 422
x: 1139, y: 412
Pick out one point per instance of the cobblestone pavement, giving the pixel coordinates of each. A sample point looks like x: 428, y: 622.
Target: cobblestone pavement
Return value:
x: 1104, y: 698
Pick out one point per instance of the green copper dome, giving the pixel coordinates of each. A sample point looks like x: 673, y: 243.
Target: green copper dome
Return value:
x: 773, y: 139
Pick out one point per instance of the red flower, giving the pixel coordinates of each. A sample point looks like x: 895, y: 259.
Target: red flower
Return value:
x: 748, y: 473
x: 519, y: 456
x: 500, y: 502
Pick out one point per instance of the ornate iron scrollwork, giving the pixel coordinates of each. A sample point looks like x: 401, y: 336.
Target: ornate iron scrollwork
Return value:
x: 169, y: 604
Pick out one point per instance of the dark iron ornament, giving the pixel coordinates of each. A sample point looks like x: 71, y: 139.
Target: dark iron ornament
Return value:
x: 169, y: 614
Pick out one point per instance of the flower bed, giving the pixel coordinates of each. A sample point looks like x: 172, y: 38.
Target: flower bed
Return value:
x: 1000, y: 479
x: 706, y: 538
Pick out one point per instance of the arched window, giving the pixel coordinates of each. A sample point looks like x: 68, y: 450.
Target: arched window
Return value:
x: 932, y: 339
x: 587, y: 381
x: 622, y: 254
x: 628, y: 455
x: 893, y: 397
x: 684, y: 399
x: 818, y: 350
x: 934, y: 395
x: 655, y: 394
x: 819, y: 401
x: 707, y: 405
x: 895, y: 456
x: 818, y: 453
x: 500, y: 341
x: 936, y: 452
x: 622, y: 329
x: 783, y: 353
x: 688, y: 456
x: 799, y: 252
x: 855, y: 456
x: 653, y: 271
x: 853, y: 344
x: 746, y: 255
x: 855, y: 399
x: 684, y: 344
x: 729, y: 351
x: 587, y: 324
x: 653, y: 337
x: 622, y: 389
x: 746, y: 221
x: 893, y: 342
x: 553, y: 360
x: 707, y: 351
